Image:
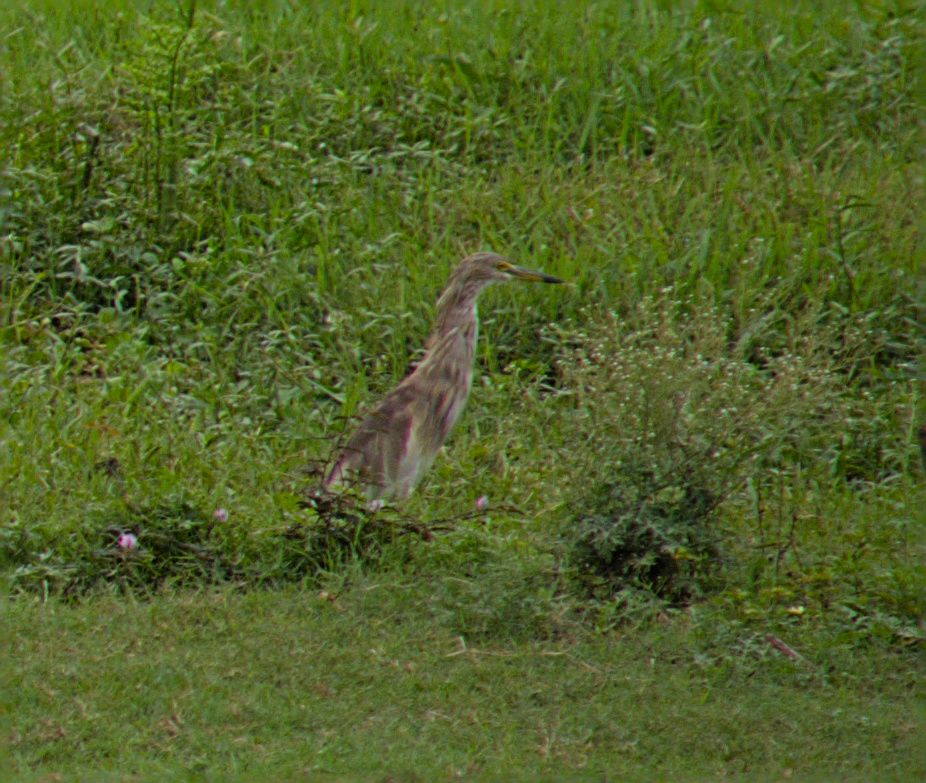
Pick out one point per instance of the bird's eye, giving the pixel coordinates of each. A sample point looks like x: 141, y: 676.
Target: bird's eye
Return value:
x: 503, y: 266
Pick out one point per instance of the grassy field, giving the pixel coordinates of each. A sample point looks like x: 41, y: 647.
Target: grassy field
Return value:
x: 378, y: 685
x: 222, y: 230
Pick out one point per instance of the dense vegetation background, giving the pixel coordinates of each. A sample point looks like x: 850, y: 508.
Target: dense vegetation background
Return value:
x: 223, y: 226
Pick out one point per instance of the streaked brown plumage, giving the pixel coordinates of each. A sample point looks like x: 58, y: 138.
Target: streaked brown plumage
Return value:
x: 396, y: 444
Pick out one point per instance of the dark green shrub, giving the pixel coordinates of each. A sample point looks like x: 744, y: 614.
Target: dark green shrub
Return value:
x: 645, y: 531
x: 137, y: 548
x: 700, y: 445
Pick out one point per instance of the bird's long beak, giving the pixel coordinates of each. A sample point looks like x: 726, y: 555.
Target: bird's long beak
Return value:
x: 520, y: 273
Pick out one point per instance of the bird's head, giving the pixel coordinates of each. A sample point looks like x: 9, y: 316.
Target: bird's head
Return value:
x: 485, y: 268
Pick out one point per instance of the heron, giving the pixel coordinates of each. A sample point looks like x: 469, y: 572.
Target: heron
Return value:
x: 394, y: 446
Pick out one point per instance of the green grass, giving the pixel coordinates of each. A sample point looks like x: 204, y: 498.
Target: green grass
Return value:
x: 222, y: 230
x: 375, y: 685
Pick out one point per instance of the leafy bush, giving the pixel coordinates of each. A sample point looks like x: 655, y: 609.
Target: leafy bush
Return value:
x: 645, y: 531
x: 688, y: 428
x: 137, y: 548
x: 145, y: 548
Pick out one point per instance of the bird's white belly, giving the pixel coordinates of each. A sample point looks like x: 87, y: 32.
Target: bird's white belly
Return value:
x: 420, y: 450
x: 414, y: 464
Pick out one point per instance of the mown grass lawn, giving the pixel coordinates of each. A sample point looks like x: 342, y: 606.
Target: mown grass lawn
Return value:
x: 288, y: 685
x: 223, y: 226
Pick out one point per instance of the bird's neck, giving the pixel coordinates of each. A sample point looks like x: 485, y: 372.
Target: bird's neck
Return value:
x: 456, y: 310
